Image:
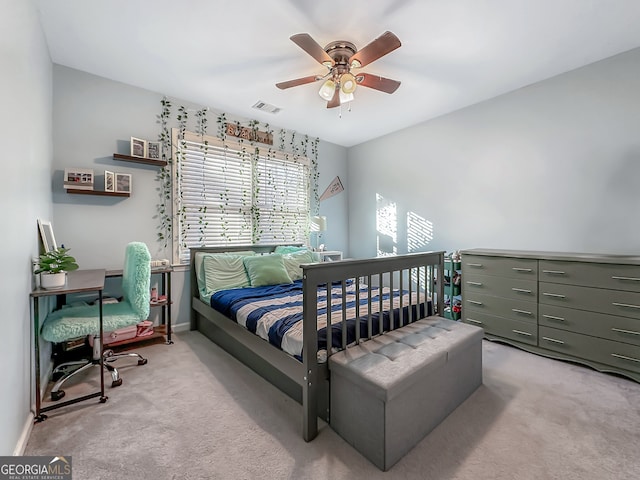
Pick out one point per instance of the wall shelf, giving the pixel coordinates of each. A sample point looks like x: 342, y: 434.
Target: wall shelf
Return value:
x: 98, y: 192
x: 147, y: 161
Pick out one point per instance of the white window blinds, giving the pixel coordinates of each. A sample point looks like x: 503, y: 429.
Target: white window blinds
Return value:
x: 233, y: 193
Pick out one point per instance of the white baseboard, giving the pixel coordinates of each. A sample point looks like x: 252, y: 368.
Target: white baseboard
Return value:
x: 24, y: 437
x: 28, y: 425
x: 181, y: 327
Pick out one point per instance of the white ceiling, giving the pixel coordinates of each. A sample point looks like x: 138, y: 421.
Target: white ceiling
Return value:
x: 230, y: 54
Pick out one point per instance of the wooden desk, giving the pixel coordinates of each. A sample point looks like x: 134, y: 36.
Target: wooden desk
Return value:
x: 77, y: 281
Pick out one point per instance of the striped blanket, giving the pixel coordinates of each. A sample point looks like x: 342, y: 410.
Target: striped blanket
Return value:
x: 275, y: 312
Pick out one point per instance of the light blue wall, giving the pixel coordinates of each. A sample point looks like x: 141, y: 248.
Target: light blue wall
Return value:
x: 95, y: 117
x: 553, y: 166
x: 26, y: 152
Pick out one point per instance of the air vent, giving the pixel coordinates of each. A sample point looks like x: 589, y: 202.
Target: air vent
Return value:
x: 265, y: 107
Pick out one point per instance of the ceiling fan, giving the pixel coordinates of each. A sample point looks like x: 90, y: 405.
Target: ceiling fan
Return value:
x: 340, y: 57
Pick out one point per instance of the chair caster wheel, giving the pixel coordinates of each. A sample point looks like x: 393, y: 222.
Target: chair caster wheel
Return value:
x: 142, y: 361
x: 103, y: 399
x: 116, y: 383
x: 40, y: 418
x: 57, y: 395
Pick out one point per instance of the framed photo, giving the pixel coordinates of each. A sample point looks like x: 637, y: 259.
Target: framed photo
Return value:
x: 46, y: 234
x: 153, y: 150
x: 78, y: 178
x: 123, y: 182
x: 109, y: 181
x: 138, y: 147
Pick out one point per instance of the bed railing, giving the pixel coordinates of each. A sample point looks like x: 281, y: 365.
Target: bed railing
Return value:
x: 412, y: 272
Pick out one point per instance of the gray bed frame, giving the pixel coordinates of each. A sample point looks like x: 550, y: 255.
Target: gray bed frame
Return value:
x: 307, y: 382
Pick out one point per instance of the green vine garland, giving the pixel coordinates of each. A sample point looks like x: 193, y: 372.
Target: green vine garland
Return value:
x: 297, y: 147
x: 164, y: 174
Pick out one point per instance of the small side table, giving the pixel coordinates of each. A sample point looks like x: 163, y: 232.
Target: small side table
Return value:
x: 77, y: 281
x: 330, y: 255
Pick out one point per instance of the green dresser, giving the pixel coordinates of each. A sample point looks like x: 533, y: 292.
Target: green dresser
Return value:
x: 571, y: 306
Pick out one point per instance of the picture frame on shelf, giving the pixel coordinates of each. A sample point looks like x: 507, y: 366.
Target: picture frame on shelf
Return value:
x: 46, y: 235
x: 109, y: 181
x: 138, y: 147
x: 78, y: 178
x: 122, y: 183
x: 153, y: 150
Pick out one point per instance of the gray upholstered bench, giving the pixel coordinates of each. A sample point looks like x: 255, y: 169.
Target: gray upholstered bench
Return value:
x: 389, y: 392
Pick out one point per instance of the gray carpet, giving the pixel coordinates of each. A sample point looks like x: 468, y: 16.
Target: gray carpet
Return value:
x: 194, y: 412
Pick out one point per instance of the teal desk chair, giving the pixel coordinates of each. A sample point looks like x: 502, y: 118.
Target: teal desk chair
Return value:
x: 82, y: 320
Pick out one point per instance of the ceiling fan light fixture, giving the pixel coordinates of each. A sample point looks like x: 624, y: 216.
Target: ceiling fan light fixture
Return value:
x: 348, y: 83
x: 327, y: 89
x: 346, y: 97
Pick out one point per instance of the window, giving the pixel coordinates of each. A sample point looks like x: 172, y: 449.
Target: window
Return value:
x: 230, y: 193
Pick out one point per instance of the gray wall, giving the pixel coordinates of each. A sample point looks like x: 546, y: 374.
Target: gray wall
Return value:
x: 554, y: 166
x: 25, y: 136
x: 95, y: 117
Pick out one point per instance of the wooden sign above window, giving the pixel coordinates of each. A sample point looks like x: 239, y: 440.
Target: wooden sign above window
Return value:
x: 248, y: 133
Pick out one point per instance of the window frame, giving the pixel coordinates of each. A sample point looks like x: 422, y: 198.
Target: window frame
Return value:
x: 258, y: 156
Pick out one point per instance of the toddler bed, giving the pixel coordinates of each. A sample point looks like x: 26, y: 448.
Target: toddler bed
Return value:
x: 276, y: 310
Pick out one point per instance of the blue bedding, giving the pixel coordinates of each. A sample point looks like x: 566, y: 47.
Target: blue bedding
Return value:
x: 274, y: 312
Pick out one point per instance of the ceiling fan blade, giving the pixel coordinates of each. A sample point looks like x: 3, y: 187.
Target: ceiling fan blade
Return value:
x: 335, y: 100
x: 377, y: 82
x: 309, y: 45
x: 385, y: 43
x: 298, y: 81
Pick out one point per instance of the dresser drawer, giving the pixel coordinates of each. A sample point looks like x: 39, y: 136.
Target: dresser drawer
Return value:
x: 615, y: 354
x: 601, y: 275
x: 611, y: 327
x: 502, y: 307
x: 523, y: 268
x: 501, y: 287
x: 525, y: 332
x: 612, y: 302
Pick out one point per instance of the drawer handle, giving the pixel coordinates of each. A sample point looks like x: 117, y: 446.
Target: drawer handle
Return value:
x: 624, y: 357
x: 553, y: 340
x: 631, y: 332
x: 626, y: 278
x: 556, y: 295
x: 625, y: 305
x: 553, y: 317
x: 475, y: 302
x: 478, y: 284
x: 520, y: 290
x: 517, y: 310
x: 554, y: 272
x: 474, y: 264
x: 520, y: 332
x: 520, y: 269
x: 474, y: 321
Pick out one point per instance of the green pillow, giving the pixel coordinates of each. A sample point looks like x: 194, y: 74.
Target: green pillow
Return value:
x: 289, y: 249
x: 223, y: 272
x: 266, y: 270
x: 292, y: 262
x: 199, y: 266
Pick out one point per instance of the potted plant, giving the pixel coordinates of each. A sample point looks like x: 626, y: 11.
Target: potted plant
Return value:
x: 53, y: 267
